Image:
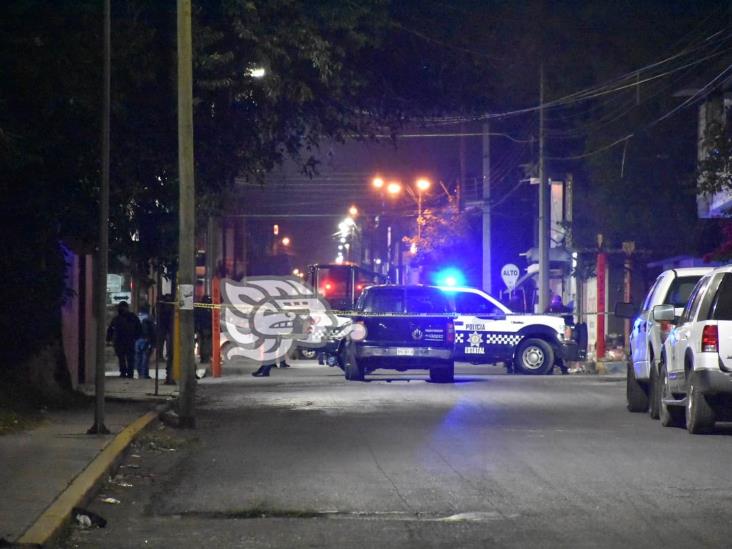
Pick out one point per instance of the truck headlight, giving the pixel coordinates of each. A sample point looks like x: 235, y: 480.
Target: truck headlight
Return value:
x: 358, y: 331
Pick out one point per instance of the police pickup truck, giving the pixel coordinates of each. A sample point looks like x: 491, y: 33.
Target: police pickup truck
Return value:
x: 404, y: 327
x: 486, y: 331
x: 399, y: 327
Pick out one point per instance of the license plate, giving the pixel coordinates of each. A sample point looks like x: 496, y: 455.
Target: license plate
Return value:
x: 406, y: 351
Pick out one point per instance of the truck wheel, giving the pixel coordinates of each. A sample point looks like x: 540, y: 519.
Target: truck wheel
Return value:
x: 445, y: 373
x: 671, y: 416
x: 699, y: 415
x: 654, y: 394
x: 350, y: 364
x: 636, y: 395
x: 534, y: 357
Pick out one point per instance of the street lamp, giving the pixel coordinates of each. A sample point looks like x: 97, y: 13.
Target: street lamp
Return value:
x: 377, y: 182
x: 353, y: 211
x: 422, y: 184
x: 256, y: 72
x: 286, y: 241
x: 394, y: 188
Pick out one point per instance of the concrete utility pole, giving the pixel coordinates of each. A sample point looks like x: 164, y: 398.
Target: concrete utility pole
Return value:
x: 543, y: 285
x: 100, y: 293
x: 186, y: 267
x: 487, y: 265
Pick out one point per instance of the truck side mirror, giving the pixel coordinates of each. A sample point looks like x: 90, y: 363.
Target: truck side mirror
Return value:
x: 625, y: 310
x: 664, y: 312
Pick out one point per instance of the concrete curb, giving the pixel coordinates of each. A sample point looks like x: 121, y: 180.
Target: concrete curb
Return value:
x: 51, y: 522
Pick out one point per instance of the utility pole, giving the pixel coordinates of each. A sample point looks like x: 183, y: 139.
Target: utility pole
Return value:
x: 487, y: 265
x: 543, y: 285
x: 100, y: 293
x: 187, y: 216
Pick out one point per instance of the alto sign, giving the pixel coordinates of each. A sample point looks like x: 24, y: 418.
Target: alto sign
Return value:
x: 510, y: 274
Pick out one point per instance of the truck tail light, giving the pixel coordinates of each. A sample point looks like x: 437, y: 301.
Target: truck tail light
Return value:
x: 666, y: 328
x: 450, y: 336
x: 710, y: 339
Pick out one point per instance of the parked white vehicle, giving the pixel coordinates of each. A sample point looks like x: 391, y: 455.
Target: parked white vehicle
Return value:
x: 672, y: 287
x: 696, y: 361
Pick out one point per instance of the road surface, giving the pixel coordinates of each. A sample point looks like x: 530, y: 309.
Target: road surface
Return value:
x: 306, y: 459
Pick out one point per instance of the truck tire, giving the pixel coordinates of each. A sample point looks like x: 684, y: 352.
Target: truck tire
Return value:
x: 636, y: 395
x: 654, y: 393
x: 670, y: 416
x: 351, y: 368
x: 534, y: 357
x: 699, y: 415
x: 444, y: 373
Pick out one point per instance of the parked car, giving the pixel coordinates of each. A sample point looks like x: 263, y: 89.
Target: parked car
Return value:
x: 672, y: 287
x: 696, y: 360
x: 400, y: 327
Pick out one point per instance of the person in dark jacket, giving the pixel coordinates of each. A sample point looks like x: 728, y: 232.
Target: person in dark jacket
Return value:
x: 123, y: 332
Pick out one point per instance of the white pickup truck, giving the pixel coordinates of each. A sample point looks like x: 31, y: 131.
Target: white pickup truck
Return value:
x: 672, y: 287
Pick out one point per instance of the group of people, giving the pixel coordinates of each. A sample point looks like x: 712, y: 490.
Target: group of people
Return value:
x: 134, y: 337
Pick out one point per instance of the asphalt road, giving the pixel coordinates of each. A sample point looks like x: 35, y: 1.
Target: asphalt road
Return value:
x: 306, y: 459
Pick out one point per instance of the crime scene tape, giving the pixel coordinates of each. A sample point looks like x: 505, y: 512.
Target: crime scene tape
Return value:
x: 336, y: 312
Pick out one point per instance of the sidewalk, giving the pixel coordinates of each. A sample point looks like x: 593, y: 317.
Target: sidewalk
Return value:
x: 49, y: 469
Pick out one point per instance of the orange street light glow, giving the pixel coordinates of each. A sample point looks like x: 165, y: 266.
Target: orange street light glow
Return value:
x: 394, y: 188
x: 286, y: 241
x: 377, y: 182
x: 423, y: 184
x: 353, y: 211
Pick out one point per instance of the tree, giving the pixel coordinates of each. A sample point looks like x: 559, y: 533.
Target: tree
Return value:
x: 715, y: 169
x: 446, y: 234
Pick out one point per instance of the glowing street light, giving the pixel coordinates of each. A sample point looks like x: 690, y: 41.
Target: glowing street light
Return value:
x: 257, y: 72
x: 353, y: 211
x: 286, y: 241
x: 377, y: 182
x: 423, y: 184
x: 394, y: 188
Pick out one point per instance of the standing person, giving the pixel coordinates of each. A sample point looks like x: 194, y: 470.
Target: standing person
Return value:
x: 556, y: 305
x: 123, y: 332
x: 165, y: 334
x: 144, y: 343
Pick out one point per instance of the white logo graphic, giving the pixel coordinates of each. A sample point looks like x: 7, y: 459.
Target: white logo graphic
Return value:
x: 475, y: 339
x: 265, y: 316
